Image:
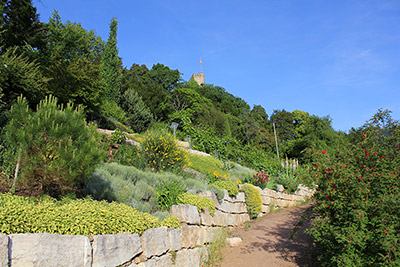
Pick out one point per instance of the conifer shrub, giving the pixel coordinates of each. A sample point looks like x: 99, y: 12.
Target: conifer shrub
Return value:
x: 55, y: 149
x: 73, y: 217
x: 161, y: 152
x: 231, y: 187
x: 200, y: 202
x: 253, y: 200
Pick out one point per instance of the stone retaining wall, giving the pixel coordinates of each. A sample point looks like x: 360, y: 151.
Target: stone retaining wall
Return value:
x: 156, y: 247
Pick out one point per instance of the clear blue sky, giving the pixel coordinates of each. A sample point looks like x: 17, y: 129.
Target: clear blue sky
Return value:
x: 334, y: 57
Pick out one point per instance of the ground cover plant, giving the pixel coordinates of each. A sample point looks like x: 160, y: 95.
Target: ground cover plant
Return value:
x: 253, y: 200
x: 20, y: 214
x: 358, y: 197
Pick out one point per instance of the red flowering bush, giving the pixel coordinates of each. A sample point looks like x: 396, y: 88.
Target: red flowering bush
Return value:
x: 357, y: 207
x: 259, y: 179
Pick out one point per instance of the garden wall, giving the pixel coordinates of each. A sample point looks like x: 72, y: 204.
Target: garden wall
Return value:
x: 155, y: 247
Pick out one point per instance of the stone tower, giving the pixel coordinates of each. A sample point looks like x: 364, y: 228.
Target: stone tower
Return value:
x: 199, y: 78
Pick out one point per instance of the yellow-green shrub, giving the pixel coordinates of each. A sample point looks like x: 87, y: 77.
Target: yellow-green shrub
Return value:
x: 200, y: 202
x: 231, y: 187
x: 171, y: 222
x: 161, y: 152
x: 75, y: 217
x: 253, y: 200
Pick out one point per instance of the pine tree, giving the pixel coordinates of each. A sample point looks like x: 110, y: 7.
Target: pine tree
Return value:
x: 111, y: 65
x: 139, y: 115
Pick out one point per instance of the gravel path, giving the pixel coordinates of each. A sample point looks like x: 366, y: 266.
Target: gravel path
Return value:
x: 267, y: 241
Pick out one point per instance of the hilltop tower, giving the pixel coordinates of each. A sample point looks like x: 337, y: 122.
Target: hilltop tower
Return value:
x: 199, y: 78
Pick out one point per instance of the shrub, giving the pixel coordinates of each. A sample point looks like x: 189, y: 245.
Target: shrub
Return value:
x: 56, y: 150
x: 358, y: 197
x: 111, y: 109
x: 211, y: 167
x: 76, y: 217
x: 228, y: 185
x: 161, y: 152
x: 259, y: 179
x: 171, y: 221
x: 253, y: 200
x: 168, y: 192
x: 129, y: 155
x: 200, y: 202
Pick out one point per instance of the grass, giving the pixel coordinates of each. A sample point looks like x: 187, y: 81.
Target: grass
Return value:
x: 215, y: 256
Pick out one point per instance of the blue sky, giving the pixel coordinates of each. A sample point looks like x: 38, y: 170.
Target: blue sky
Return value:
x: 333, y: 57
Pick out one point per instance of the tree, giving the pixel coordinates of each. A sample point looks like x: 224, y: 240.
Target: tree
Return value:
x: 284, y: 124
x: 20, y: 25
x: 139, y: 115
x: 19, y: 75
x: 57, y: 151
x: 71, y: 59
x: 111, y: 66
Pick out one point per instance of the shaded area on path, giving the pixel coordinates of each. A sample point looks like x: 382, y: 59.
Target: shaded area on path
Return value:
x: 268, y: 241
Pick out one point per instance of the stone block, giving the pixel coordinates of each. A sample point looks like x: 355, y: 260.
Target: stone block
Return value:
x: 149, y: 263
x: 266, y: 200
x: 155, y: 241
x: 265, y: 209
x: 240, y: 197
x: 210, y: 195
x: 233, y: 241
x: 226, y: 196
x: 164, y: 260
x: 224, y: 206
x: 182, y: 258
x: 220, y: 218
x: 206, y: 218
x: 186, y: 213
x: 188, y: 257
x: 174, y: 239
x: 115, y: 250
x: 212, y: 233
x: 202, y: 236
x: 3, y: 250
x: 280, y: 188
x: 269, y: 192
x: 49, y: 250
x: 238, y: 207
x: 189, y: 236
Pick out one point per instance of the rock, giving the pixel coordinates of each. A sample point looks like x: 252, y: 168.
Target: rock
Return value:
x: 238, y: 207
x: 206, y: 218
x: 202, y: 236
x: 50, y: 250
x: 220, y: 218
x: 186, y: 213
x: 266, y: 200
x: 233, y: 241
x: 210, y: 195
x: 3, y: 250
x: 240, y: 197
x: 182, y: 258
x: 224, y: 206
x: 114, y: 250
x: 155, y: 241
x: 164, y: 260
x: 265, y: 209
x: 280, y: 188
x: 226, y: 196
x: 174, y: 239
x: 189, y: 235
x: 149, y: 263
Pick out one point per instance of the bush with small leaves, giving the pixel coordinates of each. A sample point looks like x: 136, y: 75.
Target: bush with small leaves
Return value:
x: 253, y: 200
x: 231, y: 187
x: 200, y: 202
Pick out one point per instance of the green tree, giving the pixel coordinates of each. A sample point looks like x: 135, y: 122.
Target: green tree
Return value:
x: 20, y: 25
x: 57, y: 151
x: 71, y: 59
x: 19, y: 75
x: 139, y: 115
x: 111, y: 66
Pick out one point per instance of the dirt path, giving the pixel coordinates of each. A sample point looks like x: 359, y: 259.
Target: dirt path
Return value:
x: 267, y: 241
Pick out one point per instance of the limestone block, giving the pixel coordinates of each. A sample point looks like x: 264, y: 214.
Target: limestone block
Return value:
x: 224, y: 206
x: 182, y: 258
x: 266, y: 200
x: 269, y: 192
x: 206, y: 218
x: 226, y: 196
x: 164, y: 260
x: 174, y: 239
x: 189, y: 235
x: 265, y: 209
x: 186, y: 213
x: 278, y: 195
x: 202, y: 236
x: 280, y: 203
x: 220, y: 218
x: 3, y: 250
x: 230, y: 219
x: 238, y: 207
x: 155, y: 241
x: 195, y: 257
x: 114, y: 250
x: 212, y: 233
x: 280, y: 188
x: 233, y: 241
x: 49, y: 250
x: 210, y: 195
x: 240, y: 197
x: 149, y: 263
x: 245, y: 217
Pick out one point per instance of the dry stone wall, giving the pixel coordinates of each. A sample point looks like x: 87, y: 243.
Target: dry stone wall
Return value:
x: 156, y: 247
